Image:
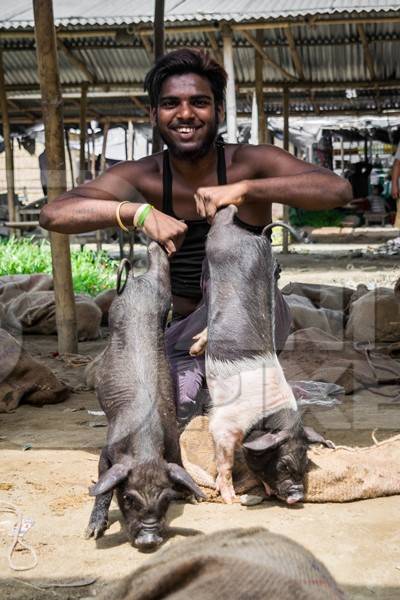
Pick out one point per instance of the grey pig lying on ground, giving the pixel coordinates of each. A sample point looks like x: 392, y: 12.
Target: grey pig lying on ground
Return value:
x: 252, y: 403
x: 141, y: 460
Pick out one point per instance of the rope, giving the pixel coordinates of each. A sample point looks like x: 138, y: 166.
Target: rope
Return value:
x: 18, y: 538
x: 394, y: 438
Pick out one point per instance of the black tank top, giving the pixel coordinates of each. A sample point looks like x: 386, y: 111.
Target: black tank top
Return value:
x: 186, y: 264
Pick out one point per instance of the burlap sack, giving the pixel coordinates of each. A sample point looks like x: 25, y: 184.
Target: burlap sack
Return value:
x: 36, y: 313
x: 333, y: 297
x: 375, y: 317
x: 304, y: 314
x: 91, y: 370
x: 104, y: 301
x: 23, y: 379
x: 235, y: 564
x: 12, y: 286
x: 337, y: 475
x: 315, y: 355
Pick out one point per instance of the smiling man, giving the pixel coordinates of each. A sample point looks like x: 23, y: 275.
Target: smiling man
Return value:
x: 173, y: 195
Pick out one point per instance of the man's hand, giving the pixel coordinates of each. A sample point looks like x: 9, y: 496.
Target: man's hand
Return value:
x: 210, y: 199
x: 395, y: 191
x: 199, y: 346
x: 165, y: 230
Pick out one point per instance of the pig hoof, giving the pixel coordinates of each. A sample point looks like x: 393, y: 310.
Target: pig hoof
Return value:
x: 226, y: 490
x: 250, y: 500
x: 95, y: 530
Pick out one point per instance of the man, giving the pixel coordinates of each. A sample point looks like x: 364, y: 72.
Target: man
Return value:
x: 186, y: 185
x: 395, y: 185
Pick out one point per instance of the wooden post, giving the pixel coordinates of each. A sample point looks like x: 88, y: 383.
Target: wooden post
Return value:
x: 46, y: 50
x: 230, y: 87
x: 71, y: 166
x: 104, y: 147
x: 258, y: 60
x: 92, y: 154
x: 131, y: 135
x: 8, y: 147
x: 342, y: 154
x: 82, y: 135
x: 159, y: 50
x: 285, y: 233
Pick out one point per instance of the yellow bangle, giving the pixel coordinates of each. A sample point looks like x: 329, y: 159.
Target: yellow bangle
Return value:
x: 118, y: 216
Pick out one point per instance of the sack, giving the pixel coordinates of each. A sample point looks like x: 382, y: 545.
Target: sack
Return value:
x: 338, y: 475
x: 231, y: 564
x: 23, y: 379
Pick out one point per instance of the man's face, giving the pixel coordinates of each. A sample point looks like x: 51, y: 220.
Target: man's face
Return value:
x: 186, y: 116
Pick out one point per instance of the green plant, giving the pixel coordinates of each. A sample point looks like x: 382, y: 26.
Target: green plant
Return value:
x: 315, y: 218
x: 92, y: 272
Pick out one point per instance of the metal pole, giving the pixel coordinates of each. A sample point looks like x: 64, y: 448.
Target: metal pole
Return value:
x: 285, y: 233
x: 159, y: 49
x: 8, y: 147
x: 230, y: 87
x: 82, y: 134
x: 46, y: 50
x: 258, y: 60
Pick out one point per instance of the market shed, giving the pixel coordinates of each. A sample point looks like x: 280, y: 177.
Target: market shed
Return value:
x: 336, y: 57
x: 305, y: 57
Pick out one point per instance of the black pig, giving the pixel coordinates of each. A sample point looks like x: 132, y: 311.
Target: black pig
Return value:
x: 141, y: 460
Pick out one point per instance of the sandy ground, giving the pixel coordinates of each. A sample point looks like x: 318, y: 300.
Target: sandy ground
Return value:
x: 358, y: 542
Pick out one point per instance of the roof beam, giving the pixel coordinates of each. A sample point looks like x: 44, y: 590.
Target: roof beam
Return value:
x: 212, y: 38
x: 16, y: 108
x: 253, y: 41
x: 147, y: 45
x: 172, y: 28
x: 124, y: 88
x: 298, y: 65
x: 367, y: 51
x: 139, y: 104
x: 91, y: 112
x: 76, y: 62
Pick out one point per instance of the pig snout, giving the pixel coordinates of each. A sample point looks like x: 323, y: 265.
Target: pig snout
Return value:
x: 149, y: 536
x: 292, y: 493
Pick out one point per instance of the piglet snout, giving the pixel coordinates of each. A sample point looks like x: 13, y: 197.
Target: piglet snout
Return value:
x: 147, y: 540
x: 148, y: 537
x: 295, y: 494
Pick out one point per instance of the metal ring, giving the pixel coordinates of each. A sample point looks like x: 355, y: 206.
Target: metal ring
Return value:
x: 284, y: 225
x: 124, y: 266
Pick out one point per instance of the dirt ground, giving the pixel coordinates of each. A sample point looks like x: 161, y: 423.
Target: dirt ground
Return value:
x: 49, y: 457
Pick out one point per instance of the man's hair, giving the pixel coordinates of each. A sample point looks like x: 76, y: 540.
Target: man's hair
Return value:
x: 186, y: 60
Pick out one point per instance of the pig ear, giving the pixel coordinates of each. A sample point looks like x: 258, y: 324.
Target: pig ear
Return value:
x: 178, y: 475
x: 109, y: 479
x: 268, y: 441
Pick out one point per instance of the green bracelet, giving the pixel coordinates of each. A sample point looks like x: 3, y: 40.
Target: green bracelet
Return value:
x: 143, y: 215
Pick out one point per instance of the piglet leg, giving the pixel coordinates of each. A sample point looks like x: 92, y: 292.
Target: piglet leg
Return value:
x: 98, y: 521
x: 225, y: 442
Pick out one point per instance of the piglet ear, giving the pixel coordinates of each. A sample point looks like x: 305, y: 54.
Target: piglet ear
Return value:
x: 268, y: 441
x: 109, y: 479
x: 178, y: 475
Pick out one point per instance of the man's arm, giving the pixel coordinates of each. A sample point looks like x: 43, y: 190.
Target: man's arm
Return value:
x: 278, y: 177
x: 395, y: 178
x: 93, y: 205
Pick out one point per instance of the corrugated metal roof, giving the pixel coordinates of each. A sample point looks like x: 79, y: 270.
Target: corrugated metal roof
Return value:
x: 19, y: 13
x: 329, y: 53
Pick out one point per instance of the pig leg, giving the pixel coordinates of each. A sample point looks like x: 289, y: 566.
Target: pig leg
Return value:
x: 98, y: 521
x: 225, y: 442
